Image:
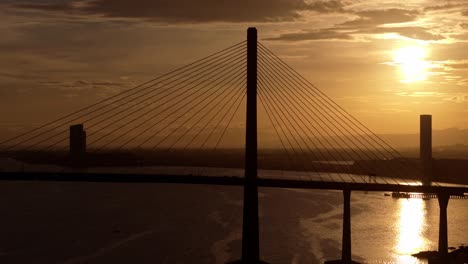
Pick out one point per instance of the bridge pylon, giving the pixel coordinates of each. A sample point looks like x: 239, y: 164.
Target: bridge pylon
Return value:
x: 77, y: 141
x: 250, y: 229
x: 425, y: 148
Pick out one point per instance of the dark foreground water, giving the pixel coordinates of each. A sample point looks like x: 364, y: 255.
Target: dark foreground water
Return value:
x: 164, y: 223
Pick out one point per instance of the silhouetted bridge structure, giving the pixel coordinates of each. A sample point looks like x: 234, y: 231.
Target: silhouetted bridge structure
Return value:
x: 192, y: 108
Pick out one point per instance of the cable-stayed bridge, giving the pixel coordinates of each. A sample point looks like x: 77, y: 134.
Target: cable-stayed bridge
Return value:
x: 198, y: 110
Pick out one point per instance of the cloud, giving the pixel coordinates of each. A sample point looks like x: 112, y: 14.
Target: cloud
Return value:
x: 421, y: 33
x: 87, y: 84
x: 372, y: 18
x: 458, y: 65
x: 47, y: 6
x: 368, y: 22
x: 326, y: 6
x: 463, y: 82
x: 458, y: 98
x: 198, y: 12
x: 444, y: 7
x: 465, y: 12
x: 319, y: 34
x: 99, y: 88
x: 338, y: 33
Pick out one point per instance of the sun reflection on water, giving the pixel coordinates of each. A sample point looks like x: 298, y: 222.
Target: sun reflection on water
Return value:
x: 411, y: 225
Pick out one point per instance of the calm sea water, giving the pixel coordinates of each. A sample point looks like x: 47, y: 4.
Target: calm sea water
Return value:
x: 386, y: 230
x: 168, y: 223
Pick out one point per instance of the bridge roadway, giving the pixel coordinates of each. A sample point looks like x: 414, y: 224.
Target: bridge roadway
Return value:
x: 262, y: 181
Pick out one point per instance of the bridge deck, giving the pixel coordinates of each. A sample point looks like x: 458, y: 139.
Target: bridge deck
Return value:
x: 263, y: 181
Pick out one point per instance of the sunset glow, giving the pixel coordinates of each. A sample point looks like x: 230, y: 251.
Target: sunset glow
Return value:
x: 254, y: 131
x: 376, y: 59
x: 412, y: 63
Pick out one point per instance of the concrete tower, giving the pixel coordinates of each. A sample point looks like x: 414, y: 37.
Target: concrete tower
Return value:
x: 77, y: 140
x: 425, y: 148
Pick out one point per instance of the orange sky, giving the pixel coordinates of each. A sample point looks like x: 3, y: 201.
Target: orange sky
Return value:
x: 386, y: 62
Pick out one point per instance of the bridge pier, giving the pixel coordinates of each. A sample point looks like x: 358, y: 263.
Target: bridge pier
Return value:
x: 443, y: 198
x: 346, y: 244
x: 346, y: 239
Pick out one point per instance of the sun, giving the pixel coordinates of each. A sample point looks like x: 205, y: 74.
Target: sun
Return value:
x: 412, y: 63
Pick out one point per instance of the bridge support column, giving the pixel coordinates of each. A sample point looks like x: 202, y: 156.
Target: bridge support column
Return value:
x: 346, y: 244
x: 250, y: 230
x: 443, y: 233
x: 346, y: 240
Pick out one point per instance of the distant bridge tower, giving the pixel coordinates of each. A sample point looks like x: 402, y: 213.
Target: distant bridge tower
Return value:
x: 425, y: 148
x: 77, y: 140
